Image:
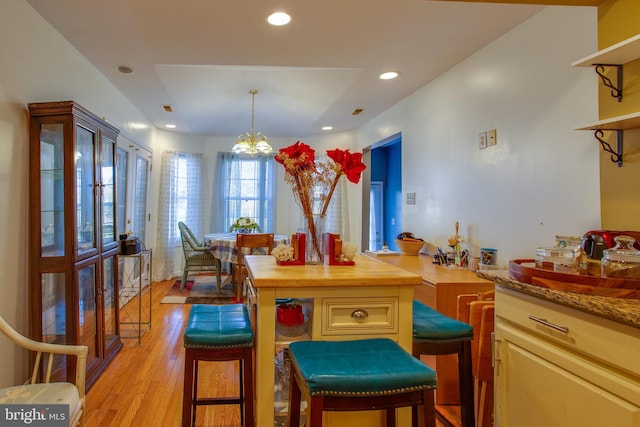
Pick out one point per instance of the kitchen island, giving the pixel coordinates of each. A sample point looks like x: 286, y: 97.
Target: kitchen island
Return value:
x: 370, y: 299
x: 564, y: 359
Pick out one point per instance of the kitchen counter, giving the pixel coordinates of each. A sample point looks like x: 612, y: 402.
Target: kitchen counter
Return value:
x: 623, y: 310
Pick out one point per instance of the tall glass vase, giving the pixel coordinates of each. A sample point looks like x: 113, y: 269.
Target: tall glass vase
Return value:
x: 313, y: 228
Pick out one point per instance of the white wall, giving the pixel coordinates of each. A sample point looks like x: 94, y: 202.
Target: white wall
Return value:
x: 541, y: 179
x: 38, y: 65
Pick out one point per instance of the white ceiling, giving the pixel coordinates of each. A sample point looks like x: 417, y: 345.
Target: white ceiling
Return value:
x: 203, y: 56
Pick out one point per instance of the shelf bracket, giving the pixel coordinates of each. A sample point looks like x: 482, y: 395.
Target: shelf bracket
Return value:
x: 616, y: 156
x: 616, y: 89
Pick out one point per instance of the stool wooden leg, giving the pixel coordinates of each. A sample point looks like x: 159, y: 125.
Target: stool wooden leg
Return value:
x: 429, y: 408
x: 294, y: 400
x: 465, y: 377
x: 247, y: 367
x: 316, y: 406
x: 391, y: 417
x: 187, y: 392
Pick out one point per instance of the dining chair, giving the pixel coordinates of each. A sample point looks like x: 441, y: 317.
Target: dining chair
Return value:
x: 41, y: 391
x: 250, y: 241
x: 197, y: 256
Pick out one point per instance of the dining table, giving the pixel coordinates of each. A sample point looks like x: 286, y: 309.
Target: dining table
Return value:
x: 223, y: 245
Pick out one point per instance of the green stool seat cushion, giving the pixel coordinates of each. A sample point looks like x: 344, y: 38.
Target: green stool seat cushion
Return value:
x: 430, y: 325
x: 218, y: 326
x: 359, y: 368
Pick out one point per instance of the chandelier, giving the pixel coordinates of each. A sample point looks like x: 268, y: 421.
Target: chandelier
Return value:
x: 252, y: 143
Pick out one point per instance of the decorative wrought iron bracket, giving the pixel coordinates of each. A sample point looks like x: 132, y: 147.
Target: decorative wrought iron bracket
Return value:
x: 616, y: 89
x: 616, y: 156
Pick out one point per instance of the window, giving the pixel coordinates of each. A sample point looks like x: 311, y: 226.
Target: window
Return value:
x: 180, y: 200
x: 245, y: 187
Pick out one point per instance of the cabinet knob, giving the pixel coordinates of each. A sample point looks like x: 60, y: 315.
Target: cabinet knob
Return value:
x: 359, y: 314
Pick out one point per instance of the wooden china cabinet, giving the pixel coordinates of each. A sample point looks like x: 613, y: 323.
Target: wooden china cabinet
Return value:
x: 72, y: 239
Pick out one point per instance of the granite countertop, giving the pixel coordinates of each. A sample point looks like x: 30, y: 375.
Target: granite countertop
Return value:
x: 623, y: 310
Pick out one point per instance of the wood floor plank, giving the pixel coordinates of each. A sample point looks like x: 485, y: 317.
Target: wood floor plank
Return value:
x: 143, y: 384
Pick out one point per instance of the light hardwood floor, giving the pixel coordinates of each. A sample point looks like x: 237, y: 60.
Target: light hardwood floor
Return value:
x: 142, y: 387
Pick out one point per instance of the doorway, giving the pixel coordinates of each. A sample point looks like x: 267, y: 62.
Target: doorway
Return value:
x: 382, y: 194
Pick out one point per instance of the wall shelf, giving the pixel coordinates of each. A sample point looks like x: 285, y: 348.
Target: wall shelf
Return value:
x: 614, y: 56
x: 618, y: 54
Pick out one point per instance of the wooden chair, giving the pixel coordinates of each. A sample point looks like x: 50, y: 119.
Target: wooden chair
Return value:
x: 478, y: 311
x: 46, y: 392
x: 247, y: 243
x: 197, y: 257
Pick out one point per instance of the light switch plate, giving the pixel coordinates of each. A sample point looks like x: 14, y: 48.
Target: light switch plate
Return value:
x: 411, y: 198
x: 482, y: 140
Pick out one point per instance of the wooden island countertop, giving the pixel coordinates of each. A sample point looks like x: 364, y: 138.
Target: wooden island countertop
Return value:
x: 265, y: 273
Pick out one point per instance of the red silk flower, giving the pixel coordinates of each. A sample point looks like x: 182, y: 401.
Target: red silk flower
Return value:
x: 350, y: 163
x: 300, y: 154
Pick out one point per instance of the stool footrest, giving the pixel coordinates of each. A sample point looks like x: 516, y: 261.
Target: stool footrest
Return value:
x: 218, y: 401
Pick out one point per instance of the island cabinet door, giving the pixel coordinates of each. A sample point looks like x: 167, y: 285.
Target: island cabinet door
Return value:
x: 542, y: 380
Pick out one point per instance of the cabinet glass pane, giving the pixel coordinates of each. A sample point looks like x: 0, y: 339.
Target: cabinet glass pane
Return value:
x: 107, y: 200
x: 54, y: 324
x: 87, y: 310
x: 51, y: 190
x: 110, y: 319
x: 142, y: 168
x: 122, y: 158
x: 85, y: 180
x: 54, y: 319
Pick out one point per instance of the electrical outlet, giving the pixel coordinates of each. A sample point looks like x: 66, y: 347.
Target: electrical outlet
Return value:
x: 482, y: 140
x: 491, y: 137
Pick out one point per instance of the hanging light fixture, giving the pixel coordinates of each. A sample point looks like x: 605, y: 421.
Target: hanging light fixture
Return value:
x: 252, y: 143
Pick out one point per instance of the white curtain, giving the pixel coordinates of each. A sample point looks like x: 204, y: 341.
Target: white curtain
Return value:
x: 180, y: 200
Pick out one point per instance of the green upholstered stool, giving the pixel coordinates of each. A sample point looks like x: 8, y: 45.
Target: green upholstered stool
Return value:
x: 436, y: 334
x: 217, y: 333
x: 359, y: 375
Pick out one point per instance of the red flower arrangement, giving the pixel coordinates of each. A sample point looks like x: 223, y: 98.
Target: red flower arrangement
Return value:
x: 313, y: 183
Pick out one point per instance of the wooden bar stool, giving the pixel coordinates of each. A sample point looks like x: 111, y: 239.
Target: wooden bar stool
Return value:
x: 436, y: 334
x: 218, y: 333
x: 359, y: 375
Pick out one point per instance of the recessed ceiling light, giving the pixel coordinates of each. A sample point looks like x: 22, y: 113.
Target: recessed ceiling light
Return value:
x: 327, y: 127
x: 170, y: 126
x: 125, y: 69
x: 389, y: 75
x: 278, y: 19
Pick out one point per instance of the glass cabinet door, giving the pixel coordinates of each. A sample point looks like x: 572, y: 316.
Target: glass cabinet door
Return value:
x: 109, y: 299
x: 87, y: 318
x: 51, y: 190
x: 140, y: 222
x: 122, y: 160
x: 108, y: 191
x: 85, y: 189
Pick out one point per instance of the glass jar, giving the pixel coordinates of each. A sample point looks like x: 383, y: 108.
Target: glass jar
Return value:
x: 561, y: 259
x: 623, y: 260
